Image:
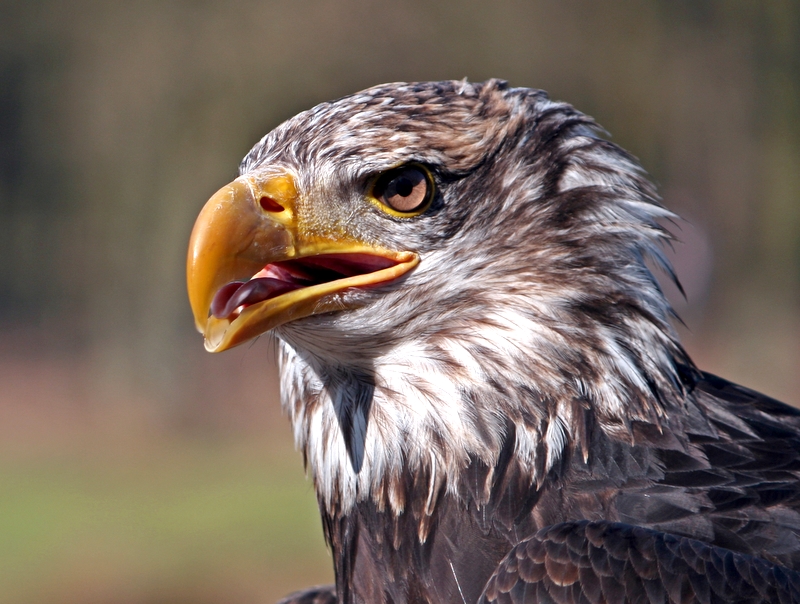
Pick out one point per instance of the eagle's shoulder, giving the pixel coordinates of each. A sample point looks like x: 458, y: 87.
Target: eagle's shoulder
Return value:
x: 762, y: 413
x: 728, y: 473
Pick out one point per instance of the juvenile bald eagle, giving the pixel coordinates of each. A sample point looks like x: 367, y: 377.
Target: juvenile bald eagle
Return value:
x: 479, y: 365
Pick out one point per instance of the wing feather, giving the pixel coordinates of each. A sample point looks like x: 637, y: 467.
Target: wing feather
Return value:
x: 599, y: 562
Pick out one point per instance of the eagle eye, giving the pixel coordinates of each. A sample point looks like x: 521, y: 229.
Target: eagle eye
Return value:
x: 406, y: 189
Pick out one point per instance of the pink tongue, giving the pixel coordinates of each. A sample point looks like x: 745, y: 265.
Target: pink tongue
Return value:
x: 235, y: 294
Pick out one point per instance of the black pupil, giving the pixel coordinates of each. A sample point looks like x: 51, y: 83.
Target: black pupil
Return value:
x: 403, y: 186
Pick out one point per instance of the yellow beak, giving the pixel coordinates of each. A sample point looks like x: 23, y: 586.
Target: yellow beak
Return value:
x: 243, y: 229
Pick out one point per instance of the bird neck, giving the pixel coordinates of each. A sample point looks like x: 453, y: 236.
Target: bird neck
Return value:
x: 433, y: 407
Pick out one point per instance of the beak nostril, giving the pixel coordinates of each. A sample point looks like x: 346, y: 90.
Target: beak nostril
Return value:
x: 270, y: 205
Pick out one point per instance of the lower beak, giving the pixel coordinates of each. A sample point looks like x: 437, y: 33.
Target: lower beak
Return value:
x: 249, y: 230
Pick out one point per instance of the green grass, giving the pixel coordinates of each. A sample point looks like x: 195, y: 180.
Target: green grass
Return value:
x: 157, y: 524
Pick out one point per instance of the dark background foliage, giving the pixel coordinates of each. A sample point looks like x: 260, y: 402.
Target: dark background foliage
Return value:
x: 136, y: 468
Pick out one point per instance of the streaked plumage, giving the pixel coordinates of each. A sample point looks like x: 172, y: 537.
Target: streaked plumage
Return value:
x: 523, y: 375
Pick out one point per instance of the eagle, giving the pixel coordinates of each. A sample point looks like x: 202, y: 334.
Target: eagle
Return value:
x: 479, y: 365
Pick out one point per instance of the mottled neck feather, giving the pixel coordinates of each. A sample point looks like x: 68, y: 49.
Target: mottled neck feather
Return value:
x: 431, y: 407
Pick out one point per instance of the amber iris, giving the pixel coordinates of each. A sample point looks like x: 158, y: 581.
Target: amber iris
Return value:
x: 405, y: 189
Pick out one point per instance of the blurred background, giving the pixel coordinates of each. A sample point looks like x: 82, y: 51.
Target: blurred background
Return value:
x: 136, y: 468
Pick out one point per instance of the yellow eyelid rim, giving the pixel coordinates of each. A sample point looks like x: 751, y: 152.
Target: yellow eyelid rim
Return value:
x: 391, y: 211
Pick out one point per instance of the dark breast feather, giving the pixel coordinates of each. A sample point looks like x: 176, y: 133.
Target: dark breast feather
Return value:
x: 378, y: 557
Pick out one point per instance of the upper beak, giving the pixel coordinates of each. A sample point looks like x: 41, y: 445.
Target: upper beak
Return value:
x: 250, y: 224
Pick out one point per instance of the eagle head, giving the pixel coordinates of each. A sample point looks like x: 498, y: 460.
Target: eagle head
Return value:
x: 442, y: 264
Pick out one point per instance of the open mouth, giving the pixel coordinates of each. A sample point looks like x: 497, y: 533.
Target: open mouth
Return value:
x: 282, y: 277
